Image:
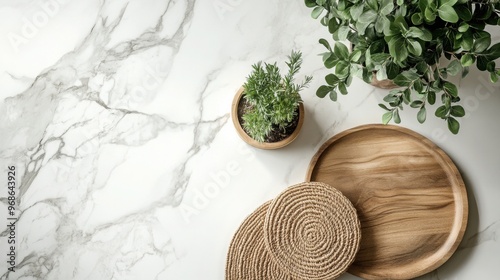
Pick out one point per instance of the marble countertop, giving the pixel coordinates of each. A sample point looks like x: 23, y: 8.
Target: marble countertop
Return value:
x: 116, y: 117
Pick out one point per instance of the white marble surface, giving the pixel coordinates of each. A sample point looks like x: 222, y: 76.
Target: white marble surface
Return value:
x: 116, y: 115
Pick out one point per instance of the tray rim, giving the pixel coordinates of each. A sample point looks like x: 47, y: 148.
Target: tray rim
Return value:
x: 459, y: 194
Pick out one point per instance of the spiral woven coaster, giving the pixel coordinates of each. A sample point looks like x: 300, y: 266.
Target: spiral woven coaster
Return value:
x: 248, y: 258
x: 312, y: 231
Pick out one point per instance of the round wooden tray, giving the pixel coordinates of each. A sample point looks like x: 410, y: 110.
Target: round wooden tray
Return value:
x: 410, y: 198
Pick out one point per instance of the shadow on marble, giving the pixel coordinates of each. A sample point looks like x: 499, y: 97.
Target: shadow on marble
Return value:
x: 306, y: 143
x: 311, y: 133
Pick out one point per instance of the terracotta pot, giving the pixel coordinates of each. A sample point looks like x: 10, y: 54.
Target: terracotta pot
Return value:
x: 249, y: 140
x: 385, y: 84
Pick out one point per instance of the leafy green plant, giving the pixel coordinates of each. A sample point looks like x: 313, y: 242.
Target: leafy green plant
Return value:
x: 273, y: 98
x: 404, y: 41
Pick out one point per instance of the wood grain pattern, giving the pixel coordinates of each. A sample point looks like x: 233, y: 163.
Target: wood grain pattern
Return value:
x: 410, y: 198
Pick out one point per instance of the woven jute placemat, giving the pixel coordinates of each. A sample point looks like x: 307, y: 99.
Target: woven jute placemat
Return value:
x: 312, y: 231
x: 248, y: 258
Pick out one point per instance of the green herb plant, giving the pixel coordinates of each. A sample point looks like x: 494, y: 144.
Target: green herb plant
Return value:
x: 273, y: 98
x: 404, y: 41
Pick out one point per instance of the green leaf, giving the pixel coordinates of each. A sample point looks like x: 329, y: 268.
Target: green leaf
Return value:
x: 414, y: 32
x: 426, y: 35
x: 373, y: 4
x: 481, y: 44
x: 490, y: 66
x: 390, y: 98
x: 401, y: 81
x: 463, y: 12
x: 446, y: 100
x: 384, y: 107
x: 377, y: 46
x: 430, y: 16
x: 450, y: 88
x: 341, y: 33
x: 493, y: 52
x: 409, y: 76
x: 400, y: 23
x: 465, y: 72
x: 382, y: 24
x: 457, y: 111
x: 407, y: 96
x: 454, y: 67
x: 386, y: 7
x: 386, y: 117
x: 310, y: 3
x: 331, y: 79
x: 417, y: 19
x: 482, y: 63
x: 437, y: 79
x: 494, y: 77
x: 422, y: 67
x: 431, y: 97
x: 323, y: 91
x: 367, y: 76
x: 381, y: 73
x: 398, y: 48
x: 348, y: 80
x: 341, y: 5
x: 333, y: 95
x: 355, y: 56
x: 483, y: 12
x: 356, y: 71
x: 418, y: 86
x: 356, y: 11
x: 479, y: 25
x: 447, y: 13
x: 324, y: 21
x: 416, y: 104
x: 368, y: 17
x: 380, y: 58
x: 392, y: 70
x: 361, y: 27
x: 441, y: 112
x: 331, y: 61
x: 467, y: 41
x: 333, y: 25
x: 421, y: 115
x: 341, y: 51
x: 463, y: 27
x: 390, y: 31
x: 316, y: 12
x: 397, y: 118
x: 453, y: 125
x: 444, y: 73
x: 343, y: 88
x: 342, y: 69
x: 325, y: 43
x: 467, y: 59
x: 414, y: 47
x: 448, y: 2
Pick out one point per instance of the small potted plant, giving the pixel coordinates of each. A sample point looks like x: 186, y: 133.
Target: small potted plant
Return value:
x: 267, y: 111
x: 402, y: 43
